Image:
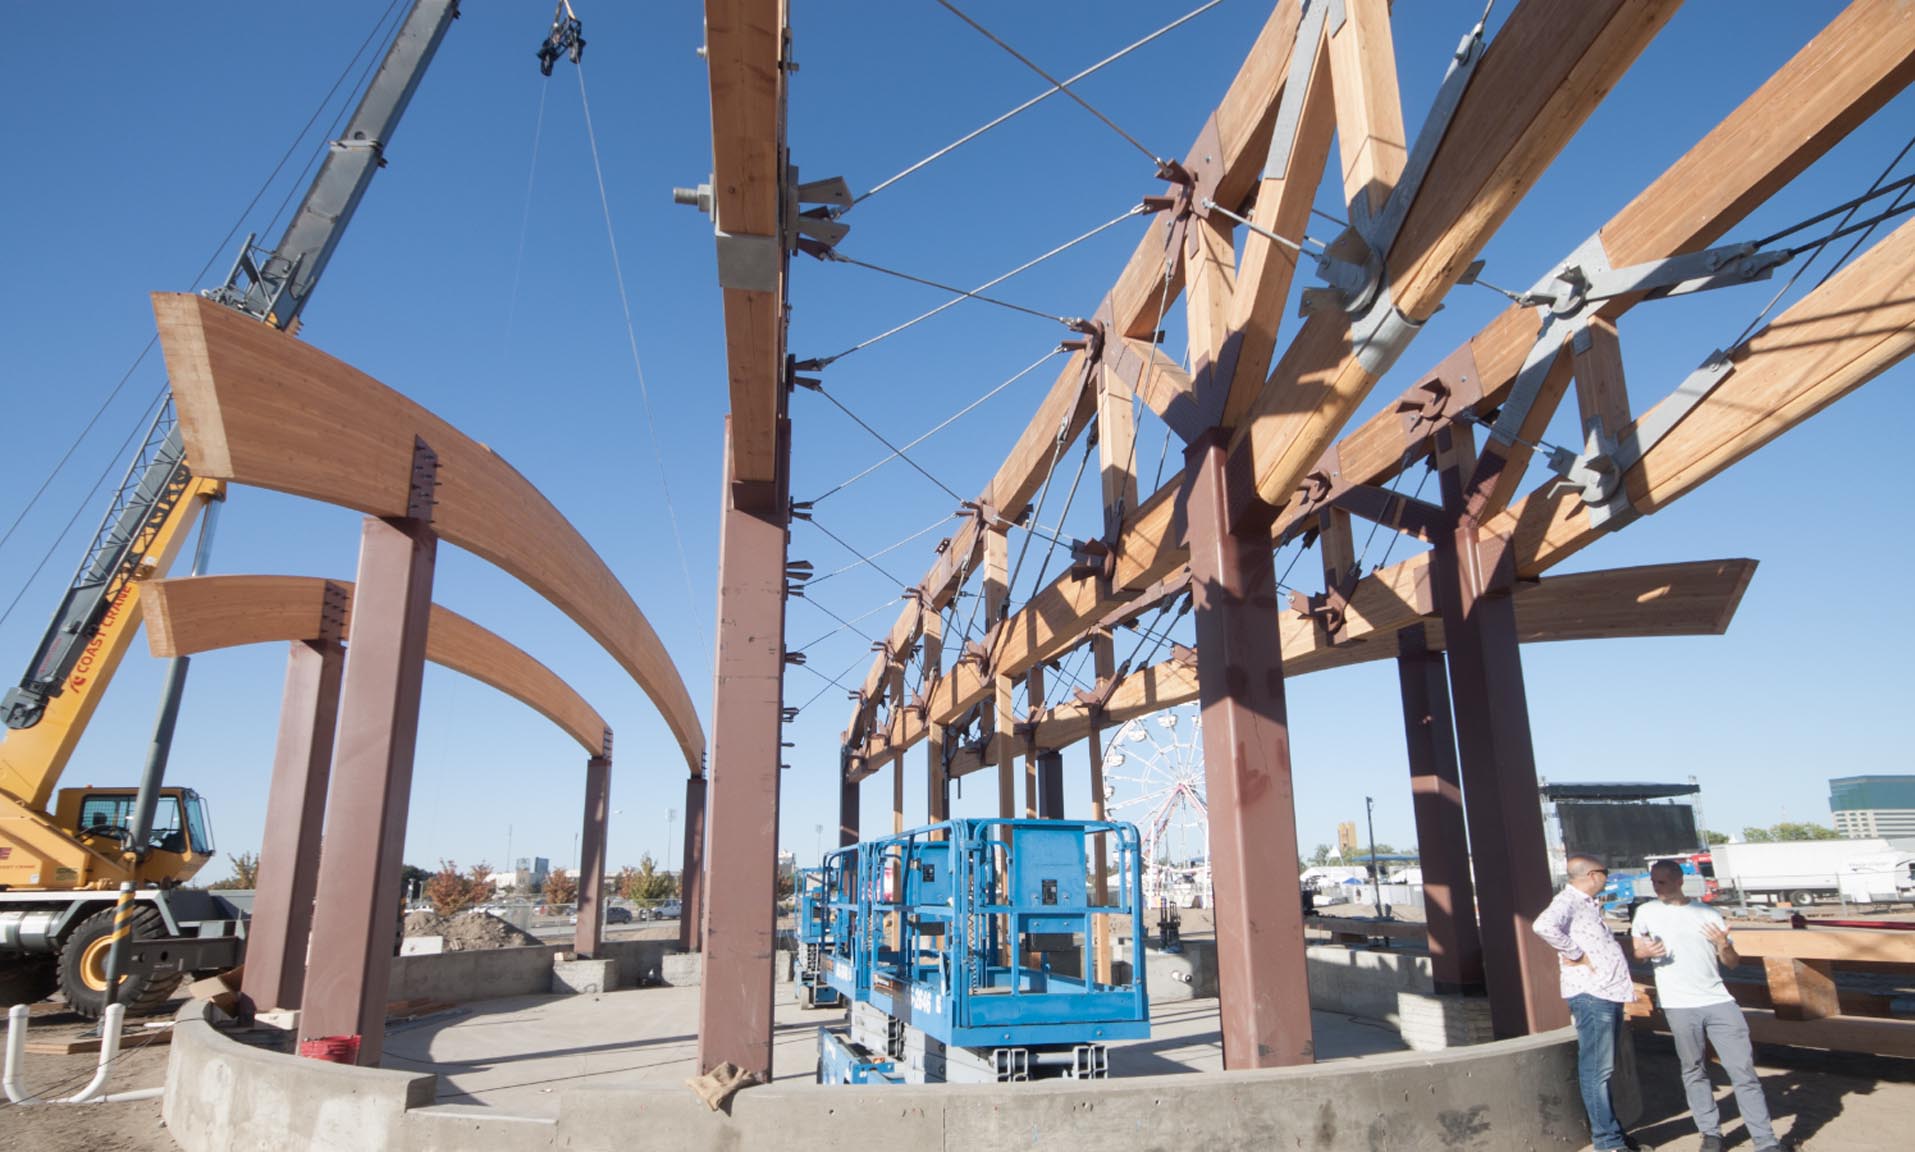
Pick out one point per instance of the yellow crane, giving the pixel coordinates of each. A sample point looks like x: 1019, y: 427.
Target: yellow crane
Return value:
x: 65, y: 853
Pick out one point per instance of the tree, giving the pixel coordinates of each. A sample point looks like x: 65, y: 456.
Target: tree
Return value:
x: 560, y: 888
x: 646, y: 884
x: 1787, y: 831
x: 451, y: 893
x: 1714, y: 838
x: 787, y: 885
x: 245, y: 872
x: 1320, y: 857
x: 1805, y: 831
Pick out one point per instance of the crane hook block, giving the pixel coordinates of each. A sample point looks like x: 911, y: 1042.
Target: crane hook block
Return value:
x: 567, y: 38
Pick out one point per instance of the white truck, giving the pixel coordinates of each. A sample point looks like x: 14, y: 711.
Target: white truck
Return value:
x: 1811, y: 871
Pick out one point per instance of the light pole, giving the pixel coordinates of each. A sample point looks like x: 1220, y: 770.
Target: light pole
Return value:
x: 1376, y: 877
x: 671, y: 815
x: 818, y: 845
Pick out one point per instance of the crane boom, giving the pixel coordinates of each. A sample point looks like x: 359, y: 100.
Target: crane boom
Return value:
x: 275, y: 288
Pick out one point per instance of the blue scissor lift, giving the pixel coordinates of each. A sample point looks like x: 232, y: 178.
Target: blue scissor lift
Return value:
x: 808, y: 984
x: 967, y: 954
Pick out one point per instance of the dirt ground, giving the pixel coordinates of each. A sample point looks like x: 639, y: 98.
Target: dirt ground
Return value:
x: 130, y: 1126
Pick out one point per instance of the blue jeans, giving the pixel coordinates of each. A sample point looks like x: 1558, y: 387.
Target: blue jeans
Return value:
x: 1598, y: 1023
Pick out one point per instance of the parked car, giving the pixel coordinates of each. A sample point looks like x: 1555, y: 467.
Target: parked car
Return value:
x: 618, y: 915
x: 669, y: 910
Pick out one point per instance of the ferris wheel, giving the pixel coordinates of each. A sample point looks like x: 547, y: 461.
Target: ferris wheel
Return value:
x: 1154, y: 778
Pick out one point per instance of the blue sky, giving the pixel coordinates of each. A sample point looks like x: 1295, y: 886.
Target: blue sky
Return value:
x: 481, y: 283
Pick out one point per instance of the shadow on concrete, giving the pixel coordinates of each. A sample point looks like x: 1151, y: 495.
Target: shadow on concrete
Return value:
x: 1807, y: 1089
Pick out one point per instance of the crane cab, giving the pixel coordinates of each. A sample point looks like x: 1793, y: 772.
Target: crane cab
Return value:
x: 82, y: 846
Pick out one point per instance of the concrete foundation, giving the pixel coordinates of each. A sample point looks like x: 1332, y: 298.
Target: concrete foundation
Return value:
x: 573, y: 976
x: 481, y: 975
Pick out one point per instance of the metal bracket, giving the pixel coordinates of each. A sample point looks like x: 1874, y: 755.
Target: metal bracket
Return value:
x: 1380, y: 336
x: 1586, y: 277
x: 1283, y: 137
x: 1596, y: 474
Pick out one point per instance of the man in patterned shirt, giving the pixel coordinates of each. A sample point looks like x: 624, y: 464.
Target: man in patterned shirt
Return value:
x: 1595, y: 981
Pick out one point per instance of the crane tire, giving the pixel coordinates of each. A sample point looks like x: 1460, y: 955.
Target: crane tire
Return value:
x: 83, y: 966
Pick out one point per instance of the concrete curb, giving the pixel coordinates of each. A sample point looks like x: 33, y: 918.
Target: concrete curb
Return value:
x: 1502, y: 1097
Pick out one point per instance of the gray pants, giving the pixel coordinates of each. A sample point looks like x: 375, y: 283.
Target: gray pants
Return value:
x: 1723, y: 1026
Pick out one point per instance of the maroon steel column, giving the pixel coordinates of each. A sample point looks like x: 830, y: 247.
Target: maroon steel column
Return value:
x: 691, y: 878
x: 295, y: 809
x: 1471, y: 575
x: 1265, y: 993
x: 1449, y: 899
x: 355, y: 921
x: 848, y: 822
x: 588, y: 936
x: 735, y: 996
x: 1050, y: 785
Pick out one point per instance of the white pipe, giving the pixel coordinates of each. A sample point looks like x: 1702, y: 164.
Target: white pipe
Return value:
x: 16, y: 1050
x: 109, y: 1049
x: 136, y: 1094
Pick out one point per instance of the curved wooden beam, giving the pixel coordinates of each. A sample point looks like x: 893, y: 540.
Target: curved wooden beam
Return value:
x: 259, y: 407
x: 201, y: 613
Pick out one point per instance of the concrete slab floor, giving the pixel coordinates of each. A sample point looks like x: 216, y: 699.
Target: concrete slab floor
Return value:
x: 518, y: 1054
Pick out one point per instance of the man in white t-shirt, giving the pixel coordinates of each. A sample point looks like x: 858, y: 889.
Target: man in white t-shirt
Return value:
x: 1687, y: 944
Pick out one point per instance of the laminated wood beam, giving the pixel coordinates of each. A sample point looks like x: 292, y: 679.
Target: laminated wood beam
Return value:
x: 1863, y: 57
x: 1860, y: 60
x: 1368, y: 110
x: 1236, y: 137
x: 1845, y: 333
x: 343, y: 437
x: 1540, y: 78
x: 201, y: 613
x: 744, y: 45
x: 1696, y: 598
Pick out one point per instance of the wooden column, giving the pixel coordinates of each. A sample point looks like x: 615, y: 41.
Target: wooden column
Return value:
x: 735, y: 997
x: 1263, y: 986
x: 588, y: 936
x: 1471, y: 575
x: 356, y: 914
x: 691, y: 912
x: 897, y: 795
x: 1104, y: 663
x: 295, y: 810
x: 1436, y: 793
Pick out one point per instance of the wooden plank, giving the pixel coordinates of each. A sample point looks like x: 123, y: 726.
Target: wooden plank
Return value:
x: 1843, y: 944
x: 1210, y: 274
x: 1802, y: 989
x: 1282, y: 208
x: 202, y: 613
x: 345, y: 438
x: 1602, y: 393
x: 1117, y: 447
x: 1837, y: 1033
x: 1369, y: 112
x: 133, y: 1037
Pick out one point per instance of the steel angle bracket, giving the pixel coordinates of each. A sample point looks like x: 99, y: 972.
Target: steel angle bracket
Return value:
x: 1596, y: 473
x: 1379, y: 333
x: 1303, y: 55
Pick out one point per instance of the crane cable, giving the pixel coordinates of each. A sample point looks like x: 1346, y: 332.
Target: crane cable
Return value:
x: 638, y: 368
